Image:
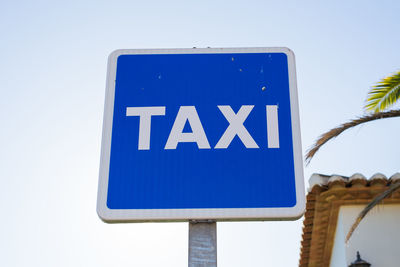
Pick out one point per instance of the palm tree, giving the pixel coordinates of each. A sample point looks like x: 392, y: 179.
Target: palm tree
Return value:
x: 380, y: 98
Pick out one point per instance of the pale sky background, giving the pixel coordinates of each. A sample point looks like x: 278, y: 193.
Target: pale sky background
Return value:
x: 52, y: 76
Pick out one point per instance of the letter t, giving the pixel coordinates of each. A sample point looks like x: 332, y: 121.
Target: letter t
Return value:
x: 145, y: 114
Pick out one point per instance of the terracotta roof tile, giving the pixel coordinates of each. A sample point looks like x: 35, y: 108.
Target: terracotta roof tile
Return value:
x: 395, y: 177
x: 357, y: 176
x: 378, y: 176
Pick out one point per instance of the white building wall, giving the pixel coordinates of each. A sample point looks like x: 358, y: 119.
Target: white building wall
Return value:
x: 377, y: 237
x: 338, y: 258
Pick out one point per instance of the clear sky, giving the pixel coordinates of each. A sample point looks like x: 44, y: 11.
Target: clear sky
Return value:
x: 52, y: 76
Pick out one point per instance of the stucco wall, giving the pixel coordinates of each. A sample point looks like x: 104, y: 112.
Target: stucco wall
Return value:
x: 377, y: 237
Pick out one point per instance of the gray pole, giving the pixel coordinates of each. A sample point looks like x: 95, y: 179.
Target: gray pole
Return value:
x: 203, y: 243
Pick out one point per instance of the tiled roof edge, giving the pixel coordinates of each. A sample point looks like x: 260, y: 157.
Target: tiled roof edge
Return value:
x: 322, y: 180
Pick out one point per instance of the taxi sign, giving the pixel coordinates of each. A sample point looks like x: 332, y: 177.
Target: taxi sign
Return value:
x: 193, y: 134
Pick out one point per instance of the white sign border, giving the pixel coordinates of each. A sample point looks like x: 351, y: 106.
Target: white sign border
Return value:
x: 225, y: 214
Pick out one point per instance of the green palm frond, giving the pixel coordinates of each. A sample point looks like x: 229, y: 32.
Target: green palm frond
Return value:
x: 384, y: 94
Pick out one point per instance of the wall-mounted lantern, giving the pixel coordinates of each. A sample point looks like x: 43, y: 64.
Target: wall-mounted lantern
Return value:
x: 359, y: 262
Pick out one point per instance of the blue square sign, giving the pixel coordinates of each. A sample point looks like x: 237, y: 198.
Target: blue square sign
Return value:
x: 201, y: 134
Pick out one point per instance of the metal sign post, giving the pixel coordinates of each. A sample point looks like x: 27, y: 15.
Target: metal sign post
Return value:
x: 203, y: 243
